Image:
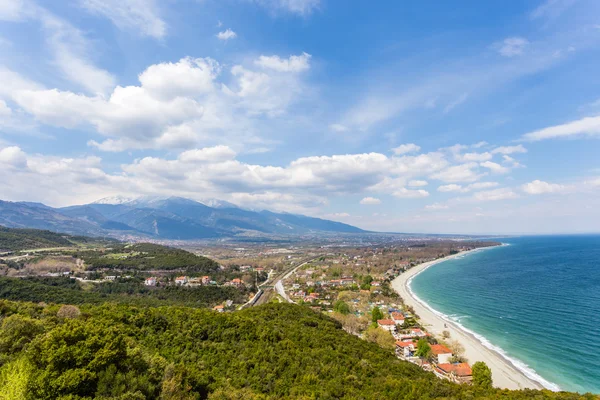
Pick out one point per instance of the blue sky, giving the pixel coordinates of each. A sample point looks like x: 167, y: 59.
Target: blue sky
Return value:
x: 472, y: 117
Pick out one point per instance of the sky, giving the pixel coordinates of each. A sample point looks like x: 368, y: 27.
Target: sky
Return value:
x: 400, y: 116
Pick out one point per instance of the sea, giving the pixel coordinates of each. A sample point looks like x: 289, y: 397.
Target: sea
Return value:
x: 535, y: 300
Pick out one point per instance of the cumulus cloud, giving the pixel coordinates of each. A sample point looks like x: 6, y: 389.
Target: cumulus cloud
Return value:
x: 459, y: 173
x: 467, y: 157
x: 141, y: 16
x: 541, y: 187
x: 495, y: 195
x: 417, y: 183
x: 292, y: 64
x: 404, y: 193
x: 467, y: 188
x: 495, y: 167
x: 513, y: 46
x: 406, y: 148
x: 370, y: 201
x: 593, y: 182
x: 450, y: 188
x: 176, y: 105
x: 13, y: 156
x: 509, y: 149
x: 226, y: 35
x: 589, y: 126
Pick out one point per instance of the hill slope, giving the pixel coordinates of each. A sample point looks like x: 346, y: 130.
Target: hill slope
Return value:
x: 21, y: 239
x: 270, y: 352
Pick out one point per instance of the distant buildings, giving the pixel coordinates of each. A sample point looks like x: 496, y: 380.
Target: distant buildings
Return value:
x: 150, y: 281
x: 387, y: 324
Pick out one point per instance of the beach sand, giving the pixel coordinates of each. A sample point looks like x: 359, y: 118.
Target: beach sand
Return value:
x: 504, y: 374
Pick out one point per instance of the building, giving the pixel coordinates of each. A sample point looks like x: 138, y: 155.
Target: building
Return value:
x: 205, y: 280
x: 237, y: 282
x: 398, y: 318
x: 387, y: 324
x: 441, y: 353
x: 405, y: 349
x: 150, y: 281
x: 181, y: 280
x: 219, y: 308
x: 458, y: 372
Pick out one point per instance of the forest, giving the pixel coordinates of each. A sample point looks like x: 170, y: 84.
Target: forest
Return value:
x: 69, y: 291
x: 118, y: 351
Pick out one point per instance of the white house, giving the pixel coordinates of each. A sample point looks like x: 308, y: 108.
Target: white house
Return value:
x: 442, y: 353
x: 181, y: 280
x: 387, y: 324
x: 150, y: 281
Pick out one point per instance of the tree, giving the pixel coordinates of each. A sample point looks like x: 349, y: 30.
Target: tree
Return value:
x: 458, y: 351
x: 376, y: 314
x: 68, y: 311
x: 382, y: 338
x: 446, y: 334
x: 482, y: 375
x: 341, y: 307
x: 423, y: 349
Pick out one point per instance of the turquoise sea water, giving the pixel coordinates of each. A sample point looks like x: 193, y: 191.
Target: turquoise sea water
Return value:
x: 536, y: 301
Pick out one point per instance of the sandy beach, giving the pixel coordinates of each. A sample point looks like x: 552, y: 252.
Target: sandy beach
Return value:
x: 504, y: 374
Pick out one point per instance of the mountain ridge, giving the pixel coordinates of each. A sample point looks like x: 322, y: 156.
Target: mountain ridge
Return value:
x: 163, y: 217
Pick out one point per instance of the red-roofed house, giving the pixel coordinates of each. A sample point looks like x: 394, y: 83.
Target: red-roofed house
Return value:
x: 219, y: 308
x: 205, y: 280
x: 387, y: 324
x: 442, y: 353
x: 181, y: 280
x: 398, y: 318
x: 405, y: 348
x: 459, y: 372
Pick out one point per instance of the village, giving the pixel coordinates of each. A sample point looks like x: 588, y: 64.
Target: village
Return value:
x: 354, y: 288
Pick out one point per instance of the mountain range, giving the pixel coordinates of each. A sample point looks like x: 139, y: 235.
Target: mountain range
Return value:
x: 172, y: 218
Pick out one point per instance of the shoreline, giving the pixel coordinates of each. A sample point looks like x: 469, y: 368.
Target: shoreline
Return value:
x: 505, y: 373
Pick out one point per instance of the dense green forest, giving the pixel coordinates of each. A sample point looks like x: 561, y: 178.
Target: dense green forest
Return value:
x: 146, y: 256
x: 22, y: 239
x: 270, y: 352
x: 69, y: 291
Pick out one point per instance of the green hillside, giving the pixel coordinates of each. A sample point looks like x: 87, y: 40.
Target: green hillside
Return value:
x: 22, y: 239
x: 275, y: 351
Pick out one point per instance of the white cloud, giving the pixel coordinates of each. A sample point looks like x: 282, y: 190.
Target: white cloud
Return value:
x: 509, y: 149
x: 551, y: 9
x: 292, y: 64
x: 450, y: 188
x: 301, y: 7
x: 404, y: 193
x: 189, y: 77
x: 593, y: 182
x: 208, y: 154
x: 511, y: 161
x: 455, y: 103
x: 436, y: 206
x: 338, y: 215
x: 495, y: 167
x: 139, y: 15
x: 226, y: 35
x: 589, y: 126
x: 370, y: 201
x: 177, y: 105
x: 467, y: 157
x: 468, y: 188
x: 338, y: 128
x: 495, y: 195
x: 5, y: 111
x: 406, y: 148
x: 12, y: 10
x: 513, y: 46
x: 458, y: 173
x: 417, y: 183
x: 540, y: 187
x: 13, y: 156
x: 479, y: 145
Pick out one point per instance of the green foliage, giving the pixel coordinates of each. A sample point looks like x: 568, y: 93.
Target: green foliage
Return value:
x: 21, y: 239
x: 65, y: 290
x: 341, y: 307
x: 423, y: 349
x: 147, y: 256
x: 275, y: 351
x: 376, y: 314
x: 482, y: 375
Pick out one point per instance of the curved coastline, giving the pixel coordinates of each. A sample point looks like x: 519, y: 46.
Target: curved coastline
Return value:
x: 507, y: 372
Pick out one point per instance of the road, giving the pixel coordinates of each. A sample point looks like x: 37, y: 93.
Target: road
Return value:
x: 268, y: 289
